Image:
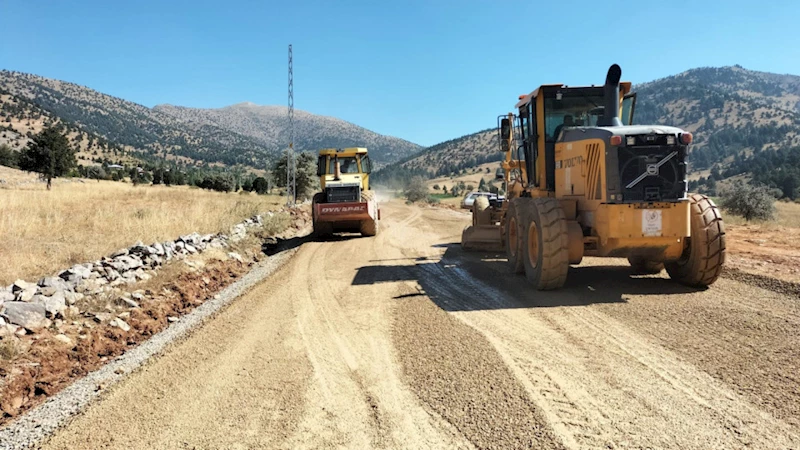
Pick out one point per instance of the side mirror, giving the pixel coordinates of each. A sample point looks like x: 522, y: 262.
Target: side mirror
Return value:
x: 321, y: 166
x: 505, y: 135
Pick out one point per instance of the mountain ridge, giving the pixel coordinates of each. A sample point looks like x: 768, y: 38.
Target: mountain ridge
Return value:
x: 181, y: 134
x: 734, y: 113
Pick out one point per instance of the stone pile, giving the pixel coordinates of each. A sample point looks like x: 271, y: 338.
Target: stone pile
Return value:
x: 32, y: 306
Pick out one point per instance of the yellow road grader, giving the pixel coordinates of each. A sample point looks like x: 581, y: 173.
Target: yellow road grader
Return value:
x: 346, y: 202
x: 582, y: 180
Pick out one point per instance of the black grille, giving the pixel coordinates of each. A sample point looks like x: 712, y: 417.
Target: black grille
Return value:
x: 666, y: 180
x: 337, y: 194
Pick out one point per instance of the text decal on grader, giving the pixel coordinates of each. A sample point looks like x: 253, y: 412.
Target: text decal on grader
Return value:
x: 343, y: 209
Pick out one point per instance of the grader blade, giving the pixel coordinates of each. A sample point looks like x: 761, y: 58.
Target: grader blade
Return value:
x: 482, y: 238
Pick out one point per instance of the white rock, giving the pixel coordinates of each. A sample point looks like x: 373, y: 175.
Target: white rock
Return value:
x: 190, y: 248
x: 102, y: 317
x: 6, y: 297
x: 55, y: 282
x: 28, y: 315
x: 63, y: 339
x: 22, y: 285
x: 47, y: 290
x: 236, y: 256
x: 128, y: 302
x: 72, y: 297
x: 26, y: 295
x: 121, y: 324
x: 172, y: 319
x: 54, y: 305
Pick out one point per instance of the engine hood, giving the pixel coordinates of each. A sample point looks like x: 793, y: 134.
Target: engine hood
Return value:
x: 344, y: 180
x: 628, y: 130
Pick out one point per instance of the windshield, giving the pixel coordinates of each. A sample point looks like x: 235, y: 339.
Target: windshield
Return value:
x: 347, y: 164
x: 579, y: 111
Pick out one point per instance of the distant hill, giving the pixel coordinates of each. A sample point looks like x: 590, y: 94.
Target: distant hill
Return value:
x: 744, y: 122
x: 243, y: 134
x: 268, y: 125
x: 449, y: 157
x: 732, y: 111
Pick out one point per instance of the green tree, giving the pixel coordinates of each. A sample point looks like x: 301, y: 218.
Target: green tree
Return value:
x: 48, y: 154
x: 8, y: 157
x: 158, y: 176
x: 416, y: 190
x: 260, y: 185
x: 306, y: 176
x: 482, y: 185
x: 749, y: 201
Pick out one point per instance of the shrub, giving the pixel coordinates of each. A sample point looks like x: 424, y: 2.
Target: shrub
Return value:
x: 749, y: 201
x: 416, y: 190
x: 8, y: 157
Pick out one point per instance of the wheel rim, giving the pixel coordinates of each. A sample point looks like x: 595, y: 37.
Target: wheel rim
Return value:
x: 512, y: 237
x: 533, y: 245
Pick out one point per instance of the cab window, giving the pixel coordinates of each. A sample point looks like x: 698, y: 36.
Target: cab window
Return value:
x: 347, y: 164
x: 366, y: 164
x: 628, y: 106
x: 570, y: 111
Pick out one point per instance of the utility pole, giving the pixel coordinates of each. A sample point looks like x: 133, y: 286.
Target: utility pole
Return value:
x: 291, y: 162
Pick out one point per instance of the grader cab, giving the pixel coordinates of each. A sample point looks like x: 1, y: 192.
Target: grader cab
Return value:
x: 346, y: 203
x: 582, y: 180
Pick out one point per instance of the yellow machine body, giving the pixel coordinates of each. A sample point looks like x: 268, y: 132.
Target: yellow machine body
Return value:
x: 345, y: 202
x: 582, y: 180
x: 354, y: 155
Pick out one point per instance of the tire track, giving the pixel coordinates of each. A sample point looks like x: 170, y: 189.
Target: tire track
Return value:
x: 577, y: 361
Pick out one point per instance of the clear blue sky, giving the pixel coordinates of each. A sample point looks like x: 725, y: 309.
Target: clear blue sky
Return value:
x: 425, y: 71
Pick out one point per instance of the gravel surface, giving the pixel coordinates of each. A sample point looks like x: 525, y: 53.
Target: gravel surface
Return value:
x: 406, y: 341
x: 33, y: 427
x: 787, y: 288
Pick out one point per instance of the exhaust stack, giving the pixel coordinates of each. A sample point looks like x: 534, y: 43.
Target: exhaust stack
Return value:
x: 611, y: 94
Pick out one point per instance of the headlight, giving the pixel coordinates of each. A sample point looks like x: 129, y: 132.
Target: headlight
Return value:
x: 671, y: 140
x: 630, y: 140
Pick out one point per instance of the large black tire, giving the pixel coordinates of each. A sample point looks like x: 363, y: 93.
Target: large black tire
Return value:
x: 546, y: 243
x: 513, y: 234
x: 321, y: 229
x: 368, y: 227
x: 642, y: 266
x: 704, y: 254
x: 481, y: 214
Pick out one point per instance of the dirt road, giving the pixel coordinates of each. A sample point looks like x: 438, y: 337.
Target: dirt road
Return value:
x: 404, y: 341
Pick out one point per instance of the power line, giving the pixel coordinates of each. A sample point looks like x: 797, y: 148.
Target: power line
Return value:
x: 291, y: 162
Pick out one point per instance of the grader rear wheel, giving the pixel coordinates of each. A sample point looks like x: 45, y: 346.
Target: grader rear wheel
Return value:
x: 513, y: 233
x: 545, y: 243
x: 704, y: 255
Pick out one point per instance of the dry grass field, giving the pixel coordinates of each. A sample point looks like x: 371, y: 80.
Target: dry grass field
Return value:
x: 43, y: 232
